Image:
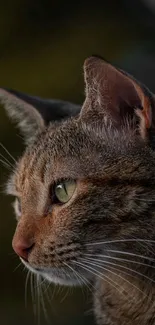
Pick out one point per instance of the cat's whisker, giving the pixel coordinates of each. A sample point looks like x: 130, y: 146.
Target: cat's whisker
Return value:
x: 99, y: 275
x: 45, y: 291
x: 20, y: 264
x: 43, y: 306
x: 26, y: 286
x: 12, y: 254
x: 9, y: 154
x: 19, y: 136
x: 144, y: 200
x: 7, y: 161
x: 112, y: 267
x: 60, y: 290
x: 6, y: 165
x: 33, y: 294
x: 87, y: 283
x: 120, y: 240
x: 114, y: 273
x: 47, y: 285
x: 123, y: 260
x: 37, y: 294
x: 122, y: 266
x: 130, y: 254
x: 65, y: 295
x: 144, y: 246
x: 53, y: 291
x: 80, y: 278
x: 39, y: 283
x: 35, y: 301
x: 67, y: 291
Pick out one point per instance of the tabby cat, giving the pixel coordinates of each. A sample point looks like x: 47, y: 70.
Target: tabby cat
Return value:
x: 85, y: 192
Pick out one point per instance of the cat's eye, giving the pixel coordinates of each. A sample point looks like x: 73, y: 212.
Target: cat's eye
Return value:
x: 64, y: 190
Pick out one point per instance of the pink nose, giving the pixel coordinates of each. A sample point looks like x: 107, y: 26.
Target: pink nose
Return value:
x: 22, y: 248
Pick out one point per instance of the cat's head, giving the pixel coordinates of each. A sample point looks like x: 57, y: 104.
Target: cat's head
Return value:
x: 85, y: 184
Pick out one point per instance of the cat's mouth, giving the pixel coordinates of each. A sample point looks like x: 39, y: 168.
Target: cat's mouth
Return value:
x: 65, y: 275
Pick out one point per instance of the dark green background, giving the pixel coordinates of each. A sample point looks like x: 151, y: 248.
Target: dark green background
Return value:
x: 42, y: 48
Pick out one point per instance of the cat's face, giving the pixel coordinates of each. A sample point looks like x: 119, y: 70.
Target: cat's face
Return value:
x: 81, y: 186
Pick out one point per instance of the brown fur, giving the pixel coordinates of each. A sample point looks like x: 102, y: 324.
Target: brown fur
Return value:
x: 105, y: 233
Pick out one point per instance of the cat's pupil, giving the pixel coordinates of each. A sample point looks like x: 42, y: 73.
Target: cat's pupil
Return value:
x: 62, y: 187
x: 63, y: 191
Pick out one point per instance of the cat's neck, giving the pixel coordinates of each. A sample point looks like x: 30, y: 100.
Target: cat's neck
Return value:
x: 122, y: 299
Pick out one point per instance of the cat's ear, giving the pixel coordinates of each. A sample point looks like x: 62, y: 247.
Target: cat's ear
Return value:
x: 33, y: 113
x: 114, y: 96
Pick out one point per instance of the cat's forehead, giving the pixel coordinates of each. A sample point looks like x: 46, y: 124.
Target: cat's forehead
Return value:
x: 71, y: 150
x: 57, y: 151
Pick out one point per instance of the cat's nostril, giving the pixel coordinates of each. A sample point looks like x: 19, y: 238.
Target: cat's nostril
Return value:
x: 22, y: 248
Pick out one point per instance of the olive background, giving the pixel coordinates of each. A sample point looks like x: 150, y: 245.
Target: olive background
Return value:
x: 43, y: 45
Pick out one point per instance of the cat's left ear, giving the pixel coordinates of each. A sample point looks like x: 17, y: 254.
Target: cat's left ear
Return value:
x: 113, y: 95
x: 32, y: 114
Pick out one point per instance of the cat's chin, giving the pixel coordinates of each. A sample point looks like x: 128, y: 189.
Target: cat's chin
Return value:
x: 61, y: 280
x: 55, y: 275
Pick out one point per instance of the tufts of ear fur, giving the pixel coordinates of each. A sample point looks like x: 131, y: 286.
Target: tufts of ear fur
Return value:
x: 33, y: 113
x: 114, y: 96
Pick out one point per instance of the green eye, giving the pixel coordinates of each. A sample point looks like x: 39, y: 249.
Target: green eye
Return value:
x: 64, y: 190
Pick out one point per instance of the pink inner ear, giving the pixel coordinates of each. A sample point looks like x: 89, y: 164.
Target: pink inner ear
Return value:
x: 112, y: 93
x: 146, y: 112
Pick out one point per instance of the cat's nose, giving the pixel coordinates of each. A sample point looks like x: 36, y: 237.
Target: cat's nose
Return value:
x: 22, y: 247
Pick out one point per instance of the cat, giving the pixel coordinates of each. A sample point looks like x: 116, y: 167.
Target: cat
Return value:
x: 85, y: 192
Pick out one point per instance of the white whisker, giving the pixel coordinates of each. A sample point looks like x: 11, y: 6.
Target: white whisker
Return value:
x: 26, y: 285
x: 130, y: 254
x: 80, y: 278
x: 7, y: 161
x: 120, y: 240
x: 122, y: 266
x: 9, y: 154
x: 20, y: 264
x: 43, y: 306
x: 44, y: 286
x: 5, y: 164
x: 65, y: 295
x: 99, y: 275
x: 33, y: 294
x: 114, y: 273
x: 37, y: 294
x: 122, y: 259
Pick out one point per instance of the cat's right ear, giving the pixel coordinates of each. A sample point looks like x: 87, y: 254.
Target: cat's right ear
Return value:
x: 32, y: 114
x: 115, y: 98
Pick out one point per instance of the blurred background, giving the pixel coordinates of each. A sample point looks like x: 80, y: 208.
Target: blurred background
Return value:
x: 43, y: 45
